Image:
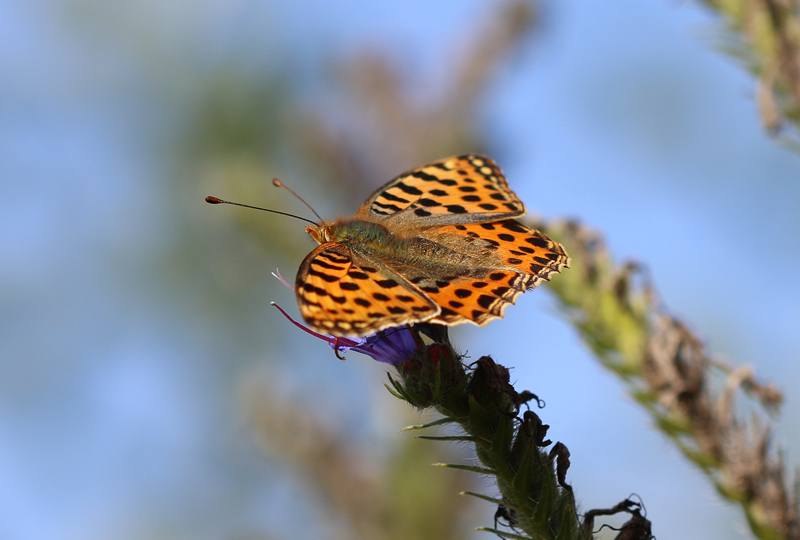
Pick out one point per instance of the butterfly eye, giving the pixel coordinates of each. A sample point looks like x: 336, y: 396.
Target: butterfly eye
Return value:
x: 317, y: 233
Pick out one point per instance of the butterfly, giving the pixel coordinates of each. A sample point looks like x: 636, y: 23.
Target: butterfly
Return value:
x: 437, y: 244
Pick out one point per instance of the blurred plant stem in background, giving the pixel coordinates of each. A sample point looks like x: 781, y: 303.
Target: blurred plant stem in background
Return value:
x: 689, y: 394
x: 765, y: 36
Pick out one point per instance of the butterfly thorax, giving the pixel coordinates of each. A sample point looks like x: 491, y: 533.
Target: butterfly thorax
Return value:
x: 348, y: 232
x: 359, y: 234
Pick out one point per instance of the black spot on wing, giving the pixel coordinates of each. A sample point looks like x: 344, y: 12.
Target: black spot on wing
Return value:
x: 333, y: 257
x: 424, y: 176
x: 514, y: 226
x: 308, y: 287
x: 405, y: 188
x: 447, y: 313
x: 324, y: 277
x: 485, y: 301
x: 392, y: 207
x: 390, y: 197
x: 349, y: 286
x: 428, y: 203
x: 538, y: 242
x: 323, y: 264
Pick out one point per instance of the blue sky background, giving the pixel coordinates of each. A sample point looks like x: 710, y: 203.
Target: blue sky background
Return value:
x: 119, y: 408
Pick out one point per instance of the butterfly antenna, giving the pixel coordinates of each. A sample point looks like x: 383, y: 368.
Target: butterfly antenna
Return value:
x: 278, y: 183
x: 215, y: 200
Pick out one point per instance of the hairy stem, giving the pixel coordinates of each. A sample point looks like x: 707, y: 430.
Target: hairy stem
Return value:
x: 671, y: 374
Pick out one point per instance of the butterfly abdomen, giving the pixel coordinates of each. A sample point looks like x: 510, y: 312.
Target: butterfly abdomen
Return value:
x: 401, y: 252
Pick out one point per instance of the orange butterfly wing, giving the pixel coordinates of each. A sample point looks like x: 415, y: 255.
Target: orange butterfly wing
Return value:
x: 463, y: 189
x: 521, y: 259
x: 342, y: 294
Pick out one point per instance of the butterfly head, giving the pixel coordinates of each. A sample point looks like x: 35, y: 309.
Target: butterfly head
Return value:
x: 320, y: 233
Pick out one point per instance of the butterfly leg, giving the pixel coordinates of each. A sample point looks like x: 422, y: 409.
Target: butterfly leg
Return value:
x: 336, y: 349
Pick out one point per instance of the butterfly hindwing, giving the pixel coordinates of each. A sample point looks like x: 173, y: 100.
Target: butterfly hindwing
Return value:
x: 514, y: 246
x: 340, y: 294
x: 463, y: 189
x: 478, y: 301
x: 517, y: 259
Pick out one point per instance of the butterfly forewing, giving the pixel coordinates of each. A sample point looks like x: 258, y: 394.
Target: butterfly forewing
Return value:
x: 342, y: 294
x: 463, y: 189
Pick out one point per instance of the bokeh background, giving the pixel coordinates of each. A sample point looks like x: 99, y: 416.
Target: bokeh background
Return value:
x: 147, y: 388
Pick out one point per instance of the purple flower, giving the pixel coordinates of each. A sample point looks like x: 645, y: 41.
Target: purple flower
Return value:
x: 390, y: 346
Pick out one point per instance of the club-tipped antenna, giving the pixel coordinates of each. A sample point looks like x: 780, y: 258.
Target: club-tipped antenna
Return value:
x: 278, y: 183
x: 216, y: 200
